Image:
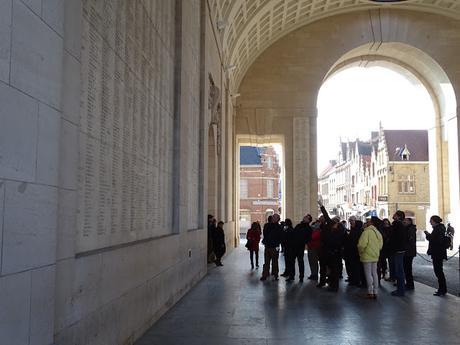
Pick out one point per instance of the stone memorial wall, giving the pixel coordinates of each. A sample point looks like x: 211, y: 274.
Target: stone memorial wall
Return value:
x: 126, y: 122
x: 191, y: 93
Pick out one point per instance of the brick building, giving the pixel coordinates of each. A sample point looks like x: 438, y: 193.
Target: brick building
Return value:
x: 259, y: 185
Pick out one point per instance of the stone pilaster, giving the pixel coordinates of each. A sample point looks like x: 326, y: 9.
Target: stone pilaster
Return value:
x: 301, y: 167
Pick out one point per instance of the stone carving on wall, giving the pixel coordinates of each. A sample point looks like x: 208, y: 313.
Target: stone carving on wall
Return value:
x: 215, y: 108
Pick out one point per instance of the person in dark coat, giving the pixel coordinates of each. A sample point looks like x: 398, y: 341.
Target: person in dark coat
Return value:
x: 383, y: 267
x: 350, y: 251
x: 295, y: 245
x: 253, y: 237
x: 211, y: 228
x: 313, y: 250
x: 324, y: 230
x: 288, y: 250
x: 438, y: 252
x: 411, y: 252
x: 398, y: 247
x: 333, y: 245
x: 271, y: 241
x: 218, y: 240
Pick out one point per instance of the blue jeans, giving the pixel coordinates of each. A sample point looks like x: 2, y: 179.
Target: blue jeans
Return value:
x: 399, y: 271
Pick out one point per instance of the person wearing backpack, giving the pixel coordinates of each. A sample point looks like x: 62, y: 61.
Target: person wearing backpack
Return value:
x: 438, y: 251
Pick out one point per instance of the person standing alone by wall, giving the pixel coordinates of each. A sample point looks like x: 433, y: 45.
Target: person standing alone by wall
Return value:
x: 211, y: 229
x: 219, y: 243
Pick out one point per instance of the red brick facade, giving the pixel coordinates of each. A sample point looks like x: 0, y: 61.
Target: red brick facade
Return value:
x: 259, y: 188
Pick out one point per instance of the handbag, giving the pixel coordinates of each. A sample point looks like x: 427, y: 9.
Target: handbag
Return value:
x: 248, y: 244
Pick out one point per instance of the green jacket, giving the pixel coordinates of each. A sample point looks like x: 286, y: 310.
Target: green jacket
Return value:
x: 369, y: 245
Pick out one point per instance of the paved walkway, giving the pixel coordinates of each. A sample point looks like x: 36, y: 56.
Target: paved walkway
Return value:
x: 423, y: 273
x: 231, y: 306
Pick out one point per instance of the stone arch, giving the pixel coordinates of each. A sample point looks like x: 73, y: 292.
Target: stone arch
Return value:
x: 420, y: 68
x: 284, y: 81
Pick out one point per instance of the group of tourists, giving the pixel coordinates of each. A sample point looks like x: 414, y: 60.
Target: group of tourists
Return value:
x: 374, y: 250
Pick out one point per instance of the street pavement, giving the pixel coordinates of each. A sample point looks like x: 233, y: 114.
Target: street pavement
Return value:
x: 423, y: 270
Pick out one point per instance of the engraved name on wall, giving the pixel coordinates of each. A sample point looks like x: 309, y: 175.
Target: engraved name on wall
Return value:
x: 126, y: 122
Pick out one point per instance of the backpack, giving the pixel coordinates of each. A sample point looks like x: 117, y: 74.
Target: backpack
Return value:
x: 446, y: 241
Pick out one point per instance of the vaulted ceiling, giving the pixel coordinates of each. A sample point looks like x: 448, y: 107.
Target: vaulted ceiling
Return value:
x: 247, y: 27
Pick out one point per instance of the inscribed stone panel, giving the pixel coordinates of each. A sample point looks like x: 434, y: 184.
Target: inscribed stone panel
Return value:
x: 126, y: 119
x: 191, y: 42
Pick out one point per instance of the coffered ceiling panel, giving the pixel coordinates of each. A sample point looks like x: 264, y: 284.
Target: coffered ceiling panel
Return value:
x: 247, y: 27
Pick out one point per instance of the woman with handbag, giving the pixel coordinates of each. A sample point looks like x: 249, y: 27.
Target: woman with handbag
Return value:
x: 253, y: 239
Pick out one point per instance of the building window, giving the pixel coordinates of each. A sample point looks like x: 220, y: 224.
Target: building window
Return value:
x: 406, y: 184
x: 269, y: 163
x: 269, y: 188
x: 243, y: 189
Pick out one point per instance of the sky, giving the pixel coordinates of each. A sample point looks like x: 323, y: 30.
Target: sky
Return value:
x: 353, y: 102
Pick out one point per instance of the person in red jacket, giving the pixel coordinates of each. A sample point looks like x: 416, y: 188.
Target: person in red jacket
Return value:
x: 253, y: 238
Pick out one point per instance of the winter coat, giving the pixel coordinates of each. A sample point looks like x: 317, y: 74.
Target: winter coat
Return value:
x: 253, y: 236
x: 218, y: 240
x: 411, y: 241
x: 289, y: 240
x: 369, y: 245
x: 398, y: 238
x: 350, y: 245
x: 272, y: 235
x: 331, y: 239
x: 315, y: 241
x: 300, y: 236
x: 435, y: 247
x: 385, y: 232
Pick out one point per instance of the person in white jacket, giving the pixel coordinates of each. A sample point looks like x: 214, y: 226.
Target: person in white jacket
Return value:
x: 369, y: 245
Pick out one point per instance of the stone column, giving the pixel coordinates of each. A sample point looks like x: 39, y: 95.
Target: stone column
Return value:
x: 313, y: 166
x: 301, y: 168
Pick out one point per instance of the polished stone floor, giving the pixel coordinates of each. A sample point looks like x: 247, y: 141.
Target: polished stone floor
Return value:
x: 231, y: 306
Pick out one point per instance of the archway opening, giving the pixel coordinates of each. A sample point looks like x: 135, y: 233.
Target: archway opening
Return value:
x: 396, y: 143
x: 261, y: 182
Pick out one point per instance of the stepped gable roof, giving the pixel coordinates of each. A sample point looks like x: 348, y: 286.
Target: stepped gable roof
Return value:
x: 250, y: 155
x: 416, y: 142
x: 364, y: 148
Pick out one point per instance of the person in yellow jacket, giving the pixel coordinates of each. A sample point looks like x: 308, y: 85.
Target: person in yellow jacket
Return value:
x: 369, y: 245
